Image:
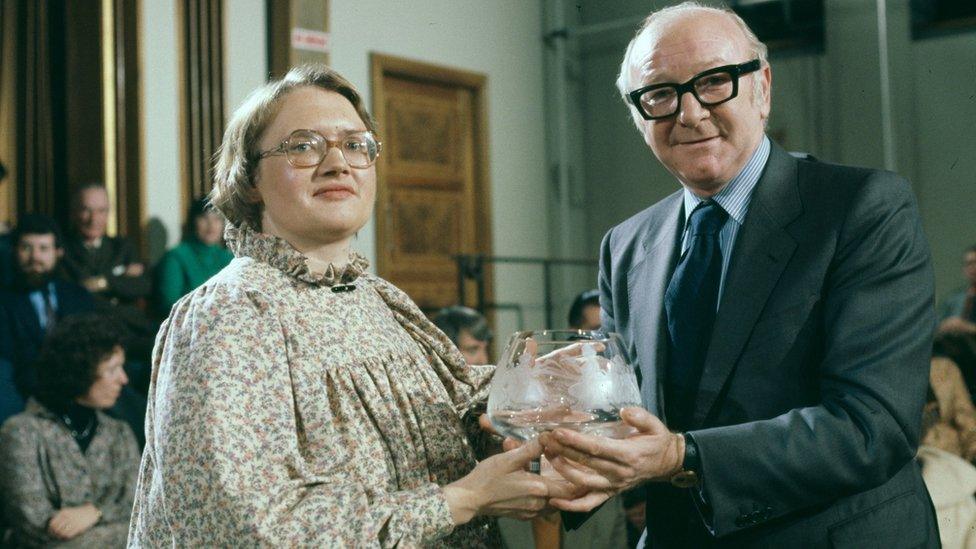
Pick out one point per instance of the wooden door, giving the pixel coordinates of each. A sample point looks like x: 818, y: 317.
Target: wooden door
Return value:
x: 433, y: 199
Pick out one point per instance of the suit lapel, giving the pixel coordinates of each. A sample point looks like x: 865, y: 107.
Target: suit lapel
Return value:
x: 646, y: 282
x: 24, y: 310
x: 761, y: 252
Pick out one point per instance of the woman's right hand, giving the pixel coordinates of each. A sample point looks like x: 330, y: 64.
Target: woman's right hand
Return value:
x: 501, y: 486
x: 71, y: 522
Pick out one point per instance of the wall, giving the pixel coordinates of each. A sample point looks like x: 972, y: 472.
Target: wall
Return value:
x: 160, y: 123
x: 826, y: 103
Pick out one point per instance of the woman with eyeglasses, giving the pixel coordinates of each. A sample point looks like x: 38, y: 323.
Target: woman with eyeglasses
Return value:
x: 296, y: 399
x: 68, y: 470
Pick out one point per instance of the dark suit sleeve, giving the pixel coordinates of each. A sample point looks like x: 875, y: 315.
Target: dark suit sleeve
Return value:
x: 125, y: 286
x: 603, y: 283
x: 877, y: 324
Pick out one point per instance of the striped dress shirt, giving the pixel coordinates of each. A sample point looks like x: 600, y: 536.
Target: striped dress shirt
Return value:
x: 734, y: 199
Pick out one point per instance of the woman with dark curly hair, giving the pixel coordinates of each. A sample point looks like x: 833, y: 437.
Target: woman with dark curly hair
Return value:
x: 67, y: 470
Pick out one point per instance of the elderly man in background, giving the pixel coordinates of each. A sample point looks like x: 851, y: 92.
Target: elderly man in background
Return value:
x: 107, y: 266
x: 780, y: 312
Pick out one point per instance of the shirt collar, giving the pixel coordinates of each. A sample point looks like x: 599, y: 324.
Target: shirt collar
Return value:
x: 734, y: 198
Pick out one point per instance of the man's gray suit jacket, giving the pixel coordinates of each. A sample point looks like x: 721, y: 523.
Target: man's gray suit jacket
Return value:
x: 809, y: 409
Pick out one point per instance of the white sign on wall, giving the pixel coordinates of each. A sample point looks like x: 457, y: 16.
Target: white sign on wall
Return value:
x: 310, y: 40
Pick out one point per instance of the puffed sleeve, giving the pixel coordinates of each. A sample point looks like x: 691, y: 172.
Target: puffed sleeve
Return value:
x: 223, y: 463
x: 467, y: 385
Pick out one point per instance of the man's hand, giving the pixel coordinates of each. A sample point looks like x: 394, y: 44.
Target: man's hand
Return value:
x: 71, y: 522
x: 134, y: 269
x: 605, y: 467
x: 95, y: 284
x: 956, y: 325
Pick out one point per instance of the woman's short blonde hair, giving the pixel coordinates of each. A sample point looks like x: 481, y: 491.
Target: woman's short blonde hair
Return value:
x: 236, y: 161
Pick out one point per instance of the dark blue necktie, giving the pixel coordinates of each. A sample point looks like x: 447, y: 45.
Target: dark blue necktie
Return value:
x: 690, y: 303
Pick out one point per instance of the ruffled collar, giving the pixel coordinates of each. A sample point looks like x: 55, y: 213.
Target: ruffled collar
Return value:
x: 275, y: 251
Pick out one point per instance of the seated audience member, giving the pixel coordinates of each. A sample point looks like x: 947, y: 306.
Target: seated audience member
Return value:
x: 950, y: 419
x: 192, y: 262
x: 67, y: 470
x: 110, y: 269
x: 469, y: 331
x: 958, y: 313
x: 584, y: 313
x: 946, y: 454
x: 38, y: 299
x: 107, y: 266
x: 961, y: 349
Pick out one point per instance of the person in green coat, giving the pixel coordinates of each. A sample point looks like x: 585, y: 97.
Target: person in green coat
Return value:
x: 193, y: 261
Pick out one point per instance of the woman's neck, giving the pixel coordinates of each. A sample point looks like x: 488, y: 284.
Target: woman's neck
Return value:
x: 319, y: 253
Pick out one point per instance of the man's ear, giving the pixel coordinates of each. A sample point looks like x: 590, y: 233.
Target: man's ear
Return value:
x: 767, y: 90
x: 59, y: 252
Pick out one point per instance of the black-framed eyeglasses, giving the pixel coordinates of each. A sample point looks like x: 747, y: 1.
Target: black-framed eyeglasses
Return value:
x: 710, y: 88
x: 307, y: 149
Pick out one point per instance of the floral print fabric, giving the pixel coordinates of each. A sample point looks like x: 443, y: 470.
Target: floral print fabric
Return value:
x: 283, y: 413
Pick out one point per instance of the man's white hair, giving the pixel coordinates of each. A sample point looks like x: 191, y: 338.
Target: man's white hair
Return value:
x: 671, y: 13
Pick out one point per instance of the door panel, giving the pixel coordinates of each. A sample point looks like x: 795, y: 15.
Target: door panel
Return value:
x: 432, y: 195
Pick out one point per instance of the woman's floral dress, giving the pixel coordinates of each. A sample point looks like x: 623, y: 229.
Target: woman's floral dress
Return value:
x: 289, y: 408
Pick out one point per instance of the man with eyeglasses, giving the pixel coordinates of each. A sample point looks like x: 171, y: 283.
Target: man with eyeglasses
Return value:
x: 781, y: 314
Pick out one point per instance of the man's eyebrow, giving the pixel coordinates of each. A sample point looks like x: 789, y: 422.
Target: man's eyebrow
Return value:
x: 646, y: 72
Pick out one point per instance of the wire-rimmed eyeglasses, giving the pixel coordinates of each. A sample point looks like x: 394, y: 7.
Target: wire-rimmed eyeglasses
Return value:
x: 307, y: 149
x: 710, y: 88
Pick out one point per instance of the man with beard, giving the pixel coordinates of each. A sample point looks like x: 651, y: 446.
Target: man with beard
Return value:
x: 35, y: 302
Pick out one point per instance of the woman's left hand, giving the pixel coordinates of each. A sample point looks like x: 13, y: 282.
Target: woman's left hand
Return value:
x: 71, y: 522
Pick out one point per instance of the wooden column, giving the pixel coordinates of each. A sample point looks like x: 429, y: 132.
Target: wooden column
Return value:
x: 203, y: 93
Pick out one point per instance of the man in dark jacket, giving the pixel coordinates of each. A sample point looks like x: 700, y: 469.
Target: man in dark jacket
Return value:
x: 780, y: 312
x: 36, y: 301
x: 109, y: 268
